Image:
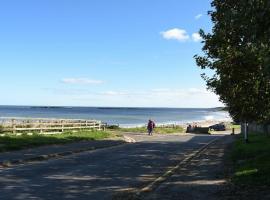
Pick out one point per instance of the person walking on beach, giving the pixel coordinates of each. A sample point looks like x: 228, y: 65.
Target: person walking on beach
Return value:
x: 150, y: 127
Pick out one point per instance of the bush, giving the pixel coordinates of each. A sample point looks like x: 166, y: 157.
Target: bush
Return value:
x: 112, y: 126
x: 1, y: 129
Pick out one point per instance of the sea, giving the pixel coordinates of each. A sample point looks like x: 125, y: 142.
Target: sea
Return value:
x: 122, y: 116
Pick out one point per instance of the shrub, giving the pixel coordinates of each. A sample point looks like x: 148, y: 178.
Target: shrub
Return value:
x: 1, y: 129
x: 112, y: 126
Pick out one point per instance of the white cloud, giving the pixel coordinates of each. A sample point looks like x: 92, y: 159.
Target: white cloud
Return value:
x: 113, y: 93
x: 197, y: 91
x: 164, y: 97
x: 156, y: 97
x: 198, y: 16
x: 175, y: 34
x: 196, y: 37
x: 179, y: 92
x: 161, y: 90
x: 180, y: 35
x: 161, y: 93
x: 81, y: 81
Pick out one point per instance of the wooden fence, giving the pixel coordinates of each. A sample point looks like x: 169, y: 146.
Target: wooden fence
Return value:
x: 47, y: 125
x: 257, y: 128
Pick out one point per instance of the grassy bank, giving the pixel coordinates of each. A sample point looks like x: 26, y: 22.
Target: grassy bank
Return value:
x: 252, y: 161
x: 235, y: 126
x: 159, y: 130
x: 13, y: 142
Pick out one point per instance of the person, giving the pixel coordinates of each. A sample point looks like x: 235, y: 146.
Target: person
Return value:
x: 150, y: 127
x: 189, y: 129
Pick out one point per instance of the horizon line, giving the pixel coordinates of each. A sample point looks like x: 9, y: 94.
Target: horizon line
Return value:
x: 52, y: 106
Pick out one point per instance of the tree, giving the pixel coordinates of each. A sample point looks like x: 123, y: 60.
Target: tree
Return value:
x: 238, y: 52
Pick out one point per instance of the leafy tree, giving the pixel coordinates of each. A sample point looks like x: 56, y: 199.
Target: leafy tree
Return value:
x: 238, y: 52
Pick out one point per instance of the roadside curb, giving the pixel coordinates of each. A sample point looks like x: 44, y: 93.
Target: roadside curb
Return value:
x: 153, y: 185
x: 10, y: 163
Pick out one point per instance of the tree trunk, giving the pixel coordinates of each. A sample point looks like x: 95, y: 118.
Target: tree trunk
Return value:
x: 246, y: 132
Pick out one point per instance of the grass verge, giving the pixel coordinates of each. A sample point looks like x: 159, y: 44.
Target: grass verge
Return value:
x: 13, y: 142
x: 252, y: 161
x: 236, y: 127
x: 159, y: 130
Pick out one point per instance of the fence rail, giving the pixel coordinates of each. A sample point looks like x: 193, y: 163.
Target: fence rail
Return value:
x: 47, y: 125
x: 257, y: 128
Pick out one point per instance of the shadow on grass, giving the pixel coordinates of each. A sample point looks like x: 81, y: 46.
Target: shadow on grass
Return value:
x: 252, y: 161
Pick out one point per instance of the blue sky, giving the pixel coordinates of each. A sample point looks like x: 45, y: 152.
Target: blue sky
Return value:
x: 135, y: 53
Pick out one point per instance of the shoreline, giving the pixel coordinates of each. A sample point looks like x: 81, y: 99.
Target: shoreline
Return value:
x: 123, y: 117
x: 185, y: 123
x: 200, y: 123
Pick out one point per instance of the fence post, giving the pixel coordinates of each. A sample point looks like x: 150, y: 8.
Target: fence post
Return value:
x: 13, y: 126
x: 62, y: 125
x: 104, y: 126
x: 40, y: 126
x: 99, y: 125
x: 246, y: 132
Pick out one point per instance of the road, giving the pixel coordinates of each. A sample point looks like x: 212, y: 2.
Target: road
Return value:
x: 102, y: 173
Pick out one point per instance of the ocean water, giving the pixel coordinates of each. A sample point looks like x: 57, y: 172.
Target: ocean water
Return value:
x: 125, y: 117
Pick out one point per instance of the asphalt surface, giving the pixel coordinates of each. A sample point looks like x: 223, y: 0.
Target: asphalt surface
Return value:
x: 204, y: 177
x: 37, y: 153
x: 99, y: 174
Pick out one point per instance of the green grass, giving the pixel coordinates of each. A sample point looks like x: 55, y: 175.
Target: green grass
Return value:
x: 159, y: 130
x: 13, y: 142
x: 235, y: 126
x: 252, y: 161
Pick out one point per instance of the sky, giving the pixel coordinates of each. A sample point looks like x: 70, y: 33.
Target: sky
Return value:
x: 119, y: 53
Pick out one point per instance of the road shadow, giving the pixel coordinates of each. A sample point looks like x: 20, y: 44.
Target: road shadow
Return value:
x: 102, y: 174
x: 205, y: 177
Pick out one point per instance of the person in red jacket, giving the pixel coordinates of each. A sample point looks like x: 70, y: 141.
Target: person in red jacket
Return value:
x: 150, y: 127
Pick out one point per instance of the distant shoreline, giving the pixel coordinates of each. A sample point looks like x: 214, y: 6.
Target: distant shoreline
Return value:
x: 200, y: 123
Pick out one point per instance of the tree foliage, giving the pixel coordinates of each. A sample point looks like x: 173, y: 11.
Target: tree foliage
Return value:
x: 238, y: 52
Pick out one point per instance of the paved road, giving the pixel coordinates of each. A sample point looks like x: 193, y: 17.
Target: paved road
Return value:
x: 204, y: 177
x: 99, y: 174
